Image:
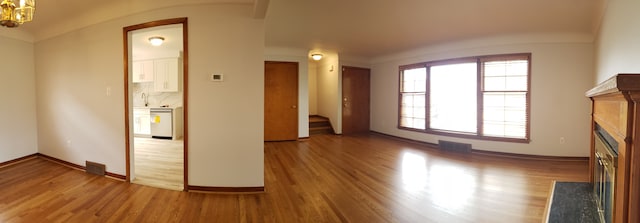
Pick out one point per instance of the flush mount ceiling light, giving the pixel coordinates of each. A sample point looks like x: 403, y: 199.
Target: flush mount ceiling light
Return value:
x: 13, y: 16
x: 316, y: 56
x: 156, y: 40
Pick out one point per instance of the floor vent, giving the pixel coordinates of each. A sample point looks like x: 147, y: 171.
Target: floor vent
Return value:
x: 454, y: 146
x: 95, y: 168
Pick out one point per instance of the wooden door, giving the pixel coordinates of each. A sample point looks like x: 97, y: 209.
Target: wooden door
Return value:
x: 355, y: 100
x: 280, y: 101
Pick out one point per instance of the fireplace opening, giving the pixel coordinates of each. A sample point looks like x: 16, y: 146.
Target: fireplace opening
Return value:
x: 606, y: 163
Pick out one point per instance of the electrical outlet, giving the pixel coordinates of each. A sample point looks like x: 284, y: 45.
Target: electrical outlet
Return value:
x: 216, y: 77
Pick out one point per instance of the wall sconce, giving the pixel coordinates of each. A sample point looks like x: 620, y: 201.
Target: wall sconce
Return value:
x: 156, y: 40
x: 316, y: 56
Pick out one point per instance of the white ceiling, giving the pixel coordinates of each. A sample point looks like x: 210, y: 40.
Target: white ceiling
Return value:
x: 370, y: 28
x: 55, y: 17
x: 365, y: 28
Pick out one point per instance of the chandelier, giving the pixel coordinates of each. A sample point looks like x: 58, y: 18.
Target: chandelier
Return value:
x: 12, y: 15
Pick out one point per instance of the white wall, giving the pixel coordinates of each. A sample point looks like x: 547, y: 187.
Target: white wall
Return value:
x: 313, y: 88
x: 18, y: 134
x: 330, y: 90
x: 562, y: 72
x: 78, y: 120
x: 299, y: 56
x: 618, y: 44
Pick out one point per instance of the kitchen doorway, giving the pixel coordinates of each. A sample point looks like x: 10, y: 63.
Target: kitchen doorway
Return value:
x: 156, y: 103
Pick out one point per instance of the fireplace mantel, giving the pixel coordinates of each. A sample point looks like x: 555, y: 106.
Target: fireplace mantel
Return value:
x: 618, y: 83
x: 616, y: 109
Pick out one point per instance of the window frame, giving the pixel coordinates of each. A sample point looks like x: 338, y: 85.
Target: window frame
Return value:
x: 400, y: 94
x: 479, y: 60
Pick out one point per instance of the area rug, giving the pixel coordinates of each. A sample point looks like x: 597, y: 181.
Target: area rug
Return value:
x: 572, y: 202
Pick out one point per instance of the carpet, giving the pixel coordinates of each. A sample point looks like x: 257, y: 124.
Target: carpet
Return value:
x: 573, y: 202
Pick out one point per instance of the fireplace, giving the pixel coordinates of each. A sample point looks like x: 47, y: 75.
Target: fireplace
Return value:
x: 606, y: 162
x: 615, y: 148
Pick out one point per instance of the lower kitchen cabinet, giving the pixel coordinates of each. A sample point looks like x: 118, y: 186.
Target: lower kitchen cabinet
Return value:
x: 141, y: 122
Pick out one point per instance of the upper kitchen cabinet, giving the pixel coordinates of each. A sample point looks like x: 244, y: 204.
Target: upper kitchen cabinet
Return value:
x: 166, y: 75
x: 143, y: 71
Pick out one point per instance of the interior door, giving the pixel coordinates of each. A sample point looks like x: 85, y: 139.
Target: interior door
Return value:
x: 280, y: 101
x: 355, y: 100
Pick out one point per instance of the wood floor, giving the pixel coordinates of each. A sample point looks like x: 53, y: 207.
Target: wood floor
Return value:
x: 367, y: 178
x: 159, y: 163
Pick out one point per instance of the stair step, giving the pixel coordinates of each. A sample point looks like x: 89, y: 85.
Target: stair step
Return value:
x: 320, y: 130
x: 318, y: 119
x: 319, y: 124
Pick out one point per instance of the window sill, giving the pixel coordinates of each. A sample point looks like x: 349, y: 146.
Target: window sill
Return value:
x: 466, y: 135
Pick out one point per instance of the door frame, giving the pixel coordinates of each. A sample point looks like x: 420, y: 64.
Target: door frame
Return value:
x: 185, y: 87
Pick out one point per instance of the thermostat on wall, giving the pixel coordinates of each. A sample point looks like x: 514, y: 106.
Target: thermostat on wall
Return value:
x: 217, y: 77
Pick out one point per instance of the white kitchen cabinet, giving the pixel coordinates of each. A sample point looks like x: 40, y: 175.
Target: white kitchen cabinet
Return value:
x: 166, y: 75
x: 143, y: 71
x: 142, y: 122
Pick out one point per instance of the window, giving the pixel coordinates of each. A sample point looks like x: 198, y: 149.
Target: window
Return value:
x: 484, y: 97
x: 453, y: 100
x: 412, y: 96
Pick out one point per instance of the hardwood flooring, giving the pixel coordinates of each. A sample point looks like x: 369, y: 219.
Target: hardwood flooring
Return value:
x: 159, y: 163
x: 366, y: 178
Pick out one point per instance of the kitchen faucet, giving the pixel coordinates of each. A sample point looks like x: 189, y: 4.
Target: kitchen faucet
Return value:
x: 146, y: 99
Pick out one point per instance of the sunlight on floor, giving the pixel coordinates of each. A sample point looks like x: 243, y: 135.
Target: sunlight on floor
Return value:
x: 451, y: 187
x: 414, y: 172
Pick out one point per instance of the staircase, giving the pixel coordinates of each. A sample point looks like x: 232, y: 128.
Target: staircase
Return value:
x: 319, y: 125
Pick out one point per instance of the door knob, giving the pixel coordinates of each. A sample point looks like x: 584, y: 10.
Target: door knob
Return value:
x: 294, y: 107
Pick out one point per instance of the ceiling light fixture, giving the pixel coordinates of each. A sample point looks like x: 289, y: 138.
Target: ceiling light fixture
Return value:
x: 156, y: 40
x: 12, y: 16
x: 316, y: 56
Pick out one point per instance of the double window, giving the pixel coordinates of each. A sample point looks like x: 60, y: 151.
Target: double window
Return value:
x: 484, y: 97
